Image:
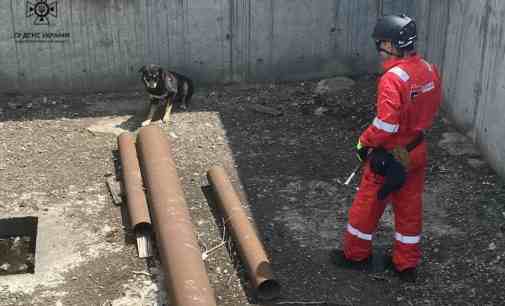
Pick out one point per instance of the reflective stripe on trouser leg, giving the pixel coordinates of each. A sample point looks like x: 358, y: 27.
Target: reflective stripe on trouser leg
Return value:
x: 408, y: 209
x: 364, y: 215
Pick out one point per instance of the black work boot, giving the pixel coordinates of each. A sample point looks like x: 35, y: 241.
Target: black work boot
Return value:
x: 338, y: 258
x: 408, y: 275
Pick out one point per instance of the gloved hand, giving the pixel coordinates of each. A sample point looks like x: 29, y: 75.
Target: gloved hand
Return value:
x: 361, y: 151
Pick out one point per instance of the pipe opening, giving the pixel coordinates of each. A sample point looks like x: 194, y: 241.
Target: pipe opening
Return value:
x: 269, y: 290
x: 143, y: 227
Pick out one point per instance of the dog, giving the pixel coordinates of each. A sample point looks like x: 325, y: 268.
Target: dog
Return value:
x: 166, y: 89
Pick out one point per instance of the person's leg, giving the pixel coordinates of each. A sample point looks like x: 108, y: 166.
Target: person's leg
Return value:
x: 408, y: 211
x: 364, y: 215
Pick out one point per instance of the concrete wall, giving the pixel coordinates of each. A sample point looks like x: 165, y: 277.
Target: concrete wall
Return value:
x: 211, y: 40
x: 467, y: 40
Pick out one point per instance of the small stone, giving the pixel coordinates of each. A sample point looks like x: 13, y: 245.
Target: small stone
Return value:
x: 320, y: 111
x: 333, y: 85
x: 5, y: 266
x: 16, y: 243
x: 109, y: 239
x: 476, y: 163
x: 457, y: 144
x: 23, y: 267
x: 12, y: 105
x: 492, y: 246
x: 106, y: 229
x: 108, y: 233
x: 154, y: 271
x: 452, y: 138
x: 218, y: 270
x: 74, y: 278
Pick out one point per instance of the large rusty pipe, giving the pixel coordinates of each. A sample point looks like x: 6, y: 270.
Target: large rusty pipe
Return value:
x: 185, y: 274
x: 132, y: 184
x: 250, y: 247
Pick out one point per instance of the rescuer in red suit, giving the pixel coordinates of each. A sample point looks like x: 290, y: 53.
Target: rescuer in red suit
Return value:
x: 393, y: 150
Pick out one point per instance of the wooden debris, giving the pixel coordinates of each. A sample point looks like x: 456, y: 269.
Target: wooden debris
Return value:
x: 115, y: 189
x: 143, y: 244
x: 265, y: 109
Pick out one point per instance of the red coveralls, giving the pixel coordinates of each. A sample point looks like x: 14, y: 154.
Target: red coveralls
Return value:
x: 408, y: 97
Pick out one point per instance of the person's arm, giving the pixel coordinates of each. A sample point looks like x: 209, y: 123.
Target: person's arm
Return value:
x: 387, y: 121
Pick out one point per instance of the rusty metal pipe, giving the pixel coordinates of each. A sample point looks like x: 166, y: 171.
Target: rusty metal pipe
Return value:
x: 185, y: 274
x: 132, y: 183
x: 250, y: 247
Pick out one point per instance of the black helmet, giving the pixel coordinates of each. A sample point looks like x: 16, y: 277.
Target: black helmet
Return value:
x: 399, y: 29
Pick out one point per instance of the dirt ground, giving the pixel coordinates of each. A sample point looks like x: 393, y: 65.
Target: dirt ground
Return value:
x: 289, y: 170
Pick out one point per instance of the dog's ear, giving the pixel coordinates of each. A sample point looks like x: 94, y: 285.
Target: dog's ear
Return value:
x: 143, y: 69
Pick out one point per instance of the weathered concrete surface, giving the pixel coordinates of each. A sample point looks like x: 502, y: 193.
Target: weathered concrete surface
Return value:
x: 466, y: 40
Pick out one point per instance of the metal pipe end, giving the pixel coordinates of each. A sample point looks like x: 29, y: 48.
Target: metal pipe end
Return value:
x: 269, y: 289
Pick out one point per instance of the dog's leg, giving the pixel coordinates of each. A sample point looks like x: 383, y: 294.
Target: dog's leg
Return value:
x: 166, y: 117
x: 184, y: 98
x: 152, y: 108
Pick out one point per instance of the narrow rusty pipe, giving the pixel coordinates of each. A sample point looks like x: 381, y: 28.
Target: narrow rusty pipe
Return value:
x: 250, y: 247
x: 185, y: 274
x: 132, y: 184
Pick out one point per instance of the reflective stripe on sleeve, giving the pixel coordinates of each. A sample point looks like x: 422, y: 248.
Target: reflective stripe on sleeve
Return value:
x: 388, y: 127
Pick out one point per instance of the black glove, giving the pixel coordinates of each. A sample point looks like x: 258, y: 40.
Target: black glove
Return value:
x: 361, y: 151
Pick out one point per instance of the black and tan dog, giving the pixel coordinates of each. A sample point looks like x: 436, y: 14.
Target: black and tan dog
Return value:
x: 166, y: 89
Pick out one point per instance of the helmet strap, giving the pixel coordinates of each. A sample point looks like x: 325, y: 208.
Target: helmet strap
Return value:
x: 380, y: 49
x: 389, y: 52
